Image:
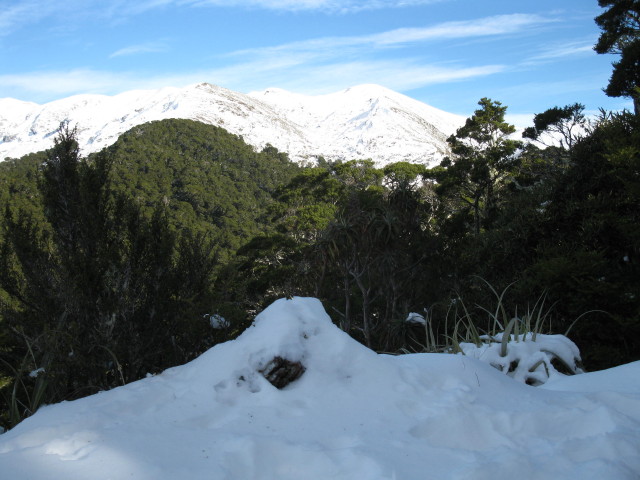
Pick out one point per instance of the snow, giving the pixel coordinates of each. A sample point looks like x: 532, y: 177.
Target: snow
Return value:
x: 528, y: 358
x: 218, y: 321
x: 622, y: 379
x: 353, y: 414
x: 416, y: 318
x: 367, y: 121
x: 36, y: 372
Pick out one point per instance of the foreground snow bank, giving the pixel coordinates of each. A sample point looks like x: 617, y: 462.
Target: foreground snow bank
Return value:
x: 352, y: 414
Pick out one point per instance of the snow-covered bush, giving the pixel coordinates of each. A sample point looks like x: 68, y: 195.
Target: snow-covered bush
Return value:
x: 217, y: 321
x: 528, y: 358
x: 415, y: 318
x: 514, y: 344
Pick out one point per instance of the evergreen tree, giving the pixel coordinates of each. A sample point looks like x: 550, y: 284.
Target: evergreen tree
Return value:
x: 565, y: 124
x: 101, y: 294
x: 483, y: 157
x: 588, y: 242
x: 620, y: 25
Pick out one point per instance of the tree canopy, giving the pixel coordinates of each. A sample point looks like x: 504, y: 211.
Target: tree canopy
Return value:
x: 108, y: 264
x: 620, y: 25
x: 482, y: 156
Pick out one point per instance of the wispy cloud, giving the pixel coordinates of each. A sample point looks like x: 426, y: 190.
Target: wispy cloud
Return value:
x: 318, y: 65
x: 46, y: 84
x: 483, y: 27
x: 246, y: 77
x: 563, y: 50
x: 328, y: 63
x: 149, y: 47
x: 329, y: 6
x: 488, y: 26
x: 397, y: 74
x: 564, y: 91
x: 16, y: 15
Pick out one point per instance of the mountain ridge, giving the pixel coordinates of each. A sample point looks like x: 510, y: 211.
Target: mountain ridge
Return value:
x: 364, y: 121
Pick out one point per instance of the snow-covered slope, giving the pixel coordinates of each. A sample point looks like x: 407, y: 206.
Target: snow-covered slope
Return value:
x: 353, y: 414
x: 367, y: 121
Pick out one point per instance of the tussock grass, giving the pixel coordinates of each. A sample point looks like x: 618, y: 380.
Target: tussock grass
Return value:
x: 520, y: 344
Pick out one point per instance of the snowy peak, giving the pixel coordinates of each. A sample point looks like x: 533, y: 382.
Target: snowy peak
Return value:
x: 366, y: 121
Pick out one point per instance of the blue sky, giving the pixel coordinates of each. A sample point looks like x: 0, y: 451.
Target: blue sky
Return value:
x: 530, y: 55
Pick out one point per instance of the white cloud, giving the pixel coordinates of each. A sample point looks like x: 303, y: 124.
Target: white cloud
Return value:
x: 150, y: 47
x: 562, y: 50
x: 47, y: 84
x: 400, y: 75
x: 326, y: 64
x: 15, y: 15
x: 19, y: 14
x: 397, y: 74
x: 558, y: 92
x: 330, y: 6
x: 488, y: 26
x: 318, y: 65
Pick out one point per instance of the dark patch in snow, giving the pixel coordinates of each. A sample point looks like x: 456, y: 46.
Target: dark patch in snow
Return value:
x: 280, y: 372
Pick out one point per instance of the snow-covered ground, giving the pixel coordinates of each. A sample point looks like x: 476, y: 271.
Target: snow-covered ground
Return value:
x: 353, y: 414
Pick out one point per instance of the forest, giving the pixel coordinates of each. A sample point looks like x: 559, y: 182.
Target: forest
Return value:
x: 144, y: 255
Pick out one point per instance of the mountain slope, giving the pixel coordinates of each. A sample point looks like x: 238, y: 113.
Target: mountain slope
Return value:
x: 367, y: 121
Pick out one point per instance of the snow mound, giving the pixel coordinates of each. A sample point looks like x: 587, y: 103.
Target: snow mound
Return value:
x: 622, y: 379
x: 352, y: 414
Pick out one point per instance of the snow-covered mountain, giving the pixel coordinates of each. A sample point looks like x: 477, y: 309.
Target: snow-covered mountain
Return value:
x: 367, y: 121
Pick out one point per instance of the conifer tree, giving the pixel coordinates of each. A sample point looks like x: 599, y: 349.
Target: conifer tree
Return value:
x: 483, y: 156
x: 620, y: 25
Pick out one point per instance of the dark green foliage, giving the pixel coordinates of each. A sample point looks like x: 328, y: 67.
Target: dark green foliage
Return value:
x: 353, y: 235
x: 376, y: 247
x: 307, y: 203
x: 108, y: 265
x: 620, y: 25
x: 483, y: 156
x: 571, y: 229
x: 567, y: 123
x: 19, y: 186
x: 209, y: 180
x: 593, y: 229
x: 101, y: 295
x: 562, y: 225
